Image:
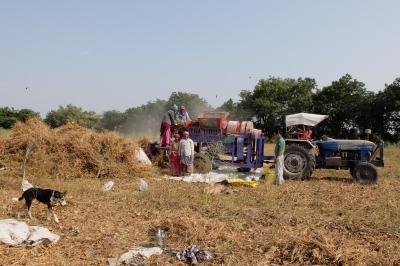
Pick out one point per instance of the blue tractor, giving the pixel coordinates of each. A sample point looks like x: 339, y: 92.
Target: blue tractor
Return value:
x: 303, y: 155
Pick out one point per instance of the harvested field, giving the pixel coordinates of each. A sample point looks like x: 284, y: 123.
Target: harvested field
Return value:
x: 327, y: 220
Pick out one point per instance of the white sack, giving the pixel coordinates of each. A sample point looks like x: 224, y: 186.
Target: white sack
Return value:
x: 13, y: 232
x: 141, y: 155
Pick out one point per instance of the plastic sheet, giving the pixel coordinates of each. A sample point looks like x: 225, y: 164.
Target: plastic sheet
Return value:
x: 107, y: 186
x: 143, y: 186
x: 13, y: 232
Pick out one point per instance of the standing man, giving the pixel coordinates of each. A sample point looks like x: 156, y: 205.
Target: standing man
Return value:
x: 279, y: 152
x: 186, y: 153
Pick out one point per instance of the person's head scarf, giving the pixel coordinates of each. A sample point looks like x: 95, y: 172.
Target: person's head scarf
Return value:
x: 177, y: 137
x: 174, y: 107
x: 182, y: 111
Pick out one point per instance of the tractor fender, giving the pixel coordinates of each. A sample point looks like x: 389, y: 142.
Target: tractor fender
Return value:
x: 300, y: 142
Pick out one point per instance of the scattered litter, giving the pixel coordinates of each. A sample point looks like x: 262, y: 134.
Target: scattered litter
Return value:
x: 128, y: 256
x: 218, y: 189
x: 137, y: 262
x: 13, y: 232
x: 238, y: 181
x: 161, y: 237
x: 25, y: 185
x: 108, y: 186
x: 193, y: 254
x: 141, y: 155
x: 143, y: 185
x: 3, y: 168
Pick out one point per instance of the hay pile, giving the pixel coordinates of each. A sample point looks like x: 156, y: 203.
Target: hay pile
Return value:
x: 71, y: 151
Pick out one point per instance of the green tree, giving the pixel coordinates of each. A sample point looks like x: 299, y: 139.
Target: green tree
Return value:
x: 9, y: 116
x: 385, y: 112
x: 193, y: 103
x: 91, y: 120
x: 25, y: 114
x: 71, y: 113
x: 272, y: 99
x: 145, y: 119
x: 231, y: 107
x: 343, y: 101
x: 113, y: 120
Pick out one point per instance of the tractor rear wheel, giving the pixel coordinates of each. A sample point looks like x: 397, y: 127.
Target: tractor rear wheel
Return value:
x: 298, y: 163
x: 201, y: 163
x: 366, y: 173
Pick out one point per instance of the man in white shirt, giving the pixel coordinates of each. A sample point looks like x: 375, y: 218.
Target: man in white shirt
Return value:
x: 186, y: 153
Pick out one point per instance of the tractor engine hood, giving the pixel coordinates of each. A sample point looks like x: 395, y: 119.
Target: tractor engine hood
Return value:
x: 344, y: 144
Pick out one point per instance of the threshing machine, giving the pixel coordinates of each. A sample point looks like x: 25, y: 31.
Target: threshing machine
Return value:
x: 228, y: 142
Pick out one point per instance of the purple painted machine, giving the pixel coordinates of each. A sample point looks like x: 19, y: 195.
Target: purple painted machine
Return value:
x: 228, y: 143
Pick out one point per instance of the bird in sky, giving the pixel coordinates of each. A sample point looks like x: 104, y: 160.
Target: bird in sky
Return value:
x: 26, y: 87
x: 216, y: 96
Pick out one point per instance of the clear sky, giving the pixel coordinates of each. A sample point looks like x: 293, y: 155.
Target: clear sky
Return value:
x: 114, y: 55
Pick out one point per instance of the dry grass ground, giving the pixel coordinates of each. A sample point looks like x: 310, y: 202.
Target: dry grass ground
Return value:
x: 327, y: 220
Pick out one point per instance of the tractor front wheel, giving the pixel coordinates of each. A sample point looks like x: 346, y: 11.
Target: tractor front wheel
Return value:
x: 366, y: 173
x: 201, y: 163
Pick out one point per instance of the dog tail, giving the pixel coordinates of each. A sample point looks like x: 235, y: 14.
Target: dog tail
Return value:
x: 17, y: 199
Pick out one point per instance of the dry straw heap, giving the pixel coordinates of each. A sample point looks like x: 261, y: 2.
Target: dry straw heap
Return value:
x: 71, y: 151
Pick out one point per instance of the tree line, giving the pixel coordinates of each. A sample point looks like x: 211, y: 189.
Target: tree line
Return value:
x: 346, y: 101
x: 144, y: 119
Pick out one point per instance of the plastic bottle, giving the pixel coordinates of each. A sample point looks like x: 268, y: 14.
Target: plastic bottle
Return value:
x: 161, y: 237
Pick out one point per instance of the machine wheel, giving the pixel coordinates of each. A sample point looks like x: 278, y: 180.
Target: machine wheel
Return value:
x: 201, y: 163
x: 366, y: 173
x: 299, y: 162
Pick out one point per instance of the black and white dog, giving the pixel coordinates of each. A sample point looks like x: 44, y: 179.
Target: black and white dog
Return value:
x: 46, y: 196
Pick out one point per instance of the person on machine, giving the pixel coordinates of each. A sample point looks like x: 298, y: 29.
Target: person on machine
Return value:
x: 182, y: 115
x: 165, y: 130
x: 304, y: 133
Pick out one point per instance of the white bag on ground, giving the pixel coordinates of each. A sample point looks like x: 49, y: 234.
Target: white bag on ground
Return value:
x: 25, y: 184
x: 143, y: 185
x: 130, y: 254
x: 107, y: 186
x: 141, y: 156
x: 13, y: 232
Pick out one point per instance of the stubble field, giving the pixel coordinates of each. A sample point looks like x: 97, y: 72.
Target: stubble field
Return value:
x: 326, y: 220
